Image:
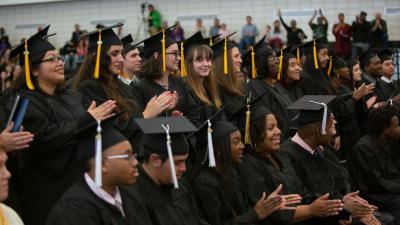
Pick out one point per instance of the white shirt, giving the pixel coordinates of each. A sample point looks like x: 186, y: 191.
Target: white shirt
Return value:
x: 386, y: 80
x: 10, y: 215
x: 115, y: 201
x: 298, y: 140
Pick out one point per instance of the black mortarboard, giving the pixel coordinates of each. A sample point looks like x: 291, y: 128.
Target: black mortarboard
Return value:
x: 249, y: 57
x: 154, y: 43
x: 338, y: 63
x: 311, y: 48
x: 385, y: 54
x: 313, y: 108
x: 221, y: 129
x: 165, y: 136
x: 366, y: 56
x: 218, y: 48
x: 127, y: 44
x: 108, y: 37
x: 32, y: 48
x: 211, y: 40
x: 196, y: 38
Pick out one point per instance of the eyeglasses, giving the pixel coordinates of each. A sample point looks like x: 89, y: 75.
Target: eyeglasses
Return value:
x: 129, y: 156
x: 176, y: 54
x: 54, y: 59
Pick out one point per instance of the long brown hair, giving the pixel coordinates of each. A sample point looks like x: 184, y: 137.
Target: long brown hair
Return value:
x: 230, y: 82
x: 151, y: 68
x: 107, y: 80
x: 193, y: 80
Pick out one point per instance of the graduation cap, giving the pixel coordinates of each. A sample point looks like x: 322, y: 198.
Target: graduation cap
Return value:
x: 196, y: 38
x: 31, y: 48
x: 127, y: 44
x: 338, y: 62
x: 386, y: 54
x: 165, y: 136
x: 222, y: 47
x: 100, y: 37
x: 252, y: 53
x: 223, y: 129
x: 313, y: 47
x: 313, y: 108
x: 366, y: 56
x: 158, y: 43
x: 93, y: 141
x: 211, y: 40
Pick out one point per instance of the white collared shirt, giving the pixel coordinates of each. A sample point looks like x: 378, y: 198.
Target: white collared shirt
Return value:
x: 298, y: 140
x: 126, y: 81
x: 115, y: 201
x: 386, y: 80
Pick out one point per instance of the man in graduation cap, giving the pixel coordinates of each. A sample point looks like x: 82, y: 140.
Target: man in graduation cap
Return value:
x: 99, y: 196
x: 385, y: 86
x: 132, y: 61
x: 166, y: 151
x: 371, y: 66
x: 316, y: 128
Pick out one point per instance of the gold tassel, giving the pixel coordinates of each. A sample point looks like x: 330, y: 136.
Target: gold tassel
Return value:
x: 97, y: 66
x: 164, y: 67
x: 298, y: 55
x: 27, y: 68
x: 253, y: 64
x: 211, y: 44
x: 247, y: 128
x: 183, y: 68
x: 315, y: 55
x: 330, y: 66
x: 226, y: 57
x: 280, y: 65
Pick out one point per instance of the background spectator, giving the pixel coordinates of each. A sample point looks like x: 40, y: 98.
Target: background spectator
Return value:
x: 200, y: 27
x: 277, y: 39
x: 75, y: 35
x: 379, y: 36
x: 154, y: 20
x: 224, y: 31
x: 342, y: 33
x: 120, y: 32
x: 360, y: 30
x: 178, y: 34
x: 295, y: 36
x: 249, y: 33
x: 214, y: 30
x: 321, y: 27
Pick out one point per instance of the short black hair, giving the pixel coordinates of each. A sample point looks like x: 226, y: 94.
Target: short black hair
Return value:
x: 380, y: 119
x: 147, y: 154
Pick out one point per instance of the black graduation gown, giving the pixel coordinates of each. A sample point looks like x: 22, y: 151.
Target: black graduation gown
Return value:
x: 277, y: 100
x: 92, y: 90
x: 315, y: 83
x: 236, y: 102
x: 315, y: 174
x: 148, y: 88
x: 376, y: 175
x: 214, y: 206
x: 386, y: 90
x: 346, y: 114
x: 166, y: 205
x: 295, y: 91
x: 50, y: 166
x: 260, y: 175
x: 79, y: 205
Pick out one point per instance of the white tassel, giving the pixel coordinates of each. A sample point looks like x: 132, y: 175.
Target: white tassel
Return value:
x: 170, y: 157
x: 211, y: 157
x: 324, y: 117
x: 98, y: 157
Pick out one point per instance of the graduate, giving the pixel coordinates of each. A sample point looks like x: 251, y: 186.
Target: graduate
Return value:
x: 160, y: 71
x: 219, y: 192
x: 290, y: 78
x: 265, y: 167
x: 276, y: 99
x: 7, y: 214
x: 371, y: 66
x: 314, y: 73
x: 100, y: 195
x: 54, y: 115
x: 132, y: 61
x: 306, y: 151
x: 349, y: 102
x: 98, y: 82
x: 386, y: 88
x: 226, y: 65
x: 373, y: 169
x: 168, y: 198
